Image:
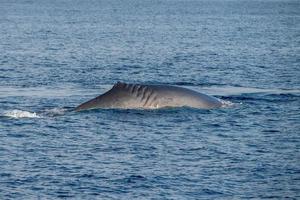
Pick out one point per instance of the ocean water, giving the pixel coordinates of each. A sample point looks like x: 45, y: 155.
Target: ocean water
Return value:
x: 55, y: 55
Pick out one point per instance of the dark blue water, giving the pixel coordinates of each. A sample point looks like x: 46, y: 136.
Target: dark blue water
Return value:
x: 55, y: 55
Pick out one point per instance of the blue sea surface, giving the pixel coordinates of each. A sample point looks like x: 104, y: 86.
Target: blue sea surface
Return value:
x: 55, y: 55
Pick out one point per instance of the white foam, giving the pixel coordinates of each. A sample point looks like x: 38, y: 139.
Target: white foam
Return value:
x: 226, y: 104
x: 20, y: 114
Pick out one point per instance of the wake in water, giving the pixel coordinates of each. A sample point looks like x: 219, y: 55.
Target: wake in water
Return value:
x: 223, y: 92
x: 17, y: 114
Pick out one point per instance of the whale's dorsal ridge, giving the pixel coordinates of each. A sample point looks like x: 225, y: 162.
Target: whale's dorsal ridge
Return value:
x: 123, y: 85
x: 134, y: 89
x: 119, y: 84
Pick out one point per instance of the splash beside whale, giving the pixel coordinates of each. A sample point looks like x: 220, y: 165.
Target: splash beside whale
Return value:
x: 136, y: 96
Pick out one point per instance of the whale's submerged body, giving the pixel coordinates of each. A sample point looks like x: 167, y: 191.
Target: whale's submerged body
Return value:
x: 135, y: 96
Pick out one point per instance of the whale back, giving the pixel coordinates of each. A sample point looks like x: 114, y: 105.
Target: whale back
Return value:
x: 131, y: 96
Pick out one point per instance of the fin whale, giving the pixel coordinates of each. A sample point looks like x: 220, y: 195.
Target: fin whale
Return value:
x: 136, y: 96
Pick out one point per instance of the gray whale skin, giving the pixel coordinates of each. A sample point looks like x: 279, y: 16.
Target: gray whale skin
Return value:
x: 136, y: 96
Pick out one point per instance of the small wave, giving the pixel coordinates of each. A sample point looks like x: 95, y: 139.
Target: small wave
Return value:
x: 55, y: 111
x: 20, y: 114
x: 235, y: 90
